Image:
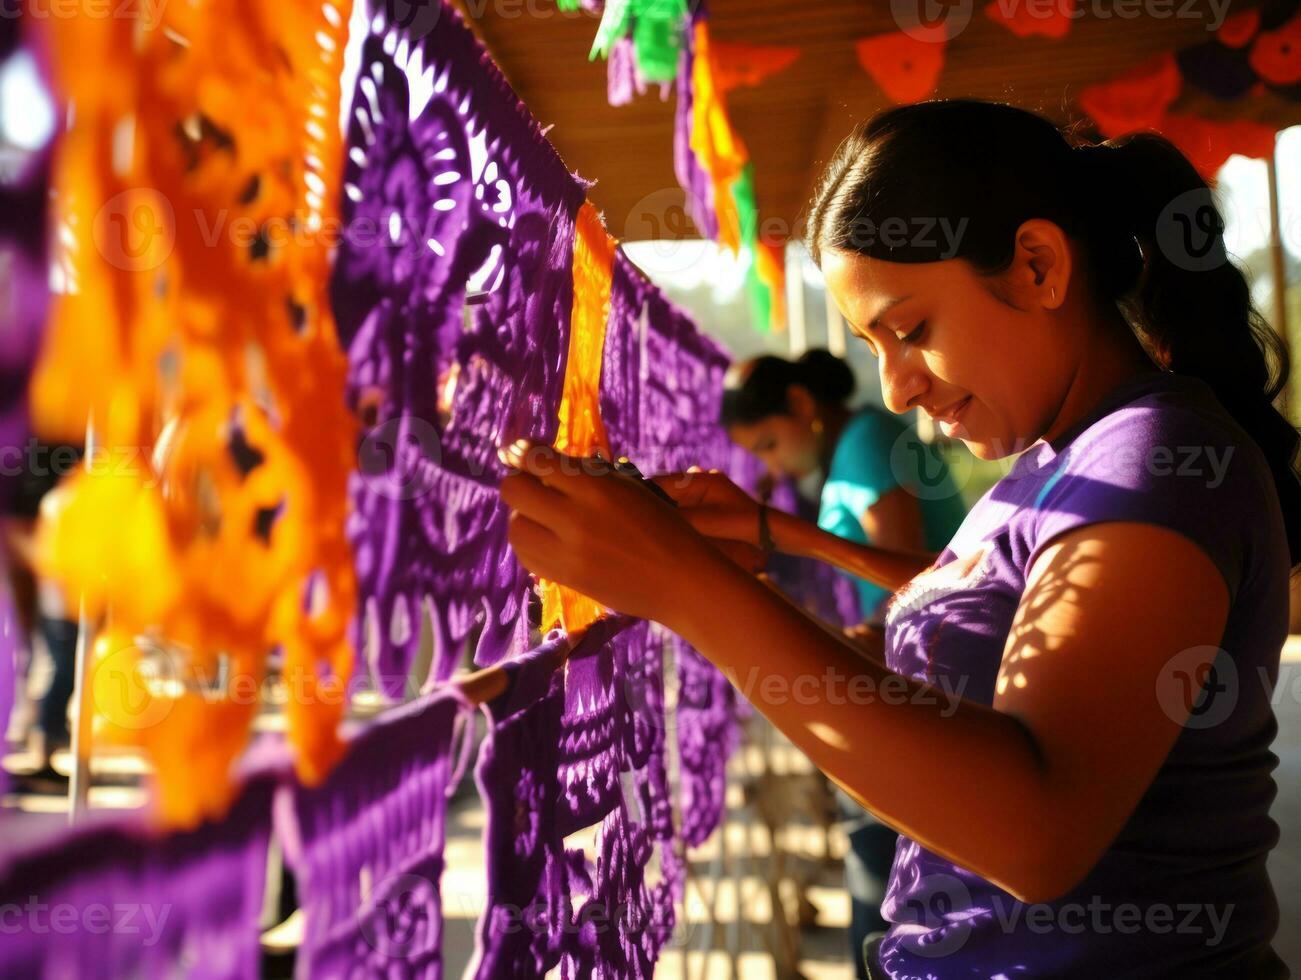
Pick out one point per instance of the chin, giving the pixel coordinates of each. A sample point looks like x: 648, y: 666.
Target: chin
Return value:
x: 989, y: 449
x: 981, y: 450
x: 995, y: 447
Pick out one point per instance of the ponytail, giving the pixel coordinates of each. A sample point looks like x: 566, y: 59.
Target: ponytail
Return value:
x: 1158, y: 249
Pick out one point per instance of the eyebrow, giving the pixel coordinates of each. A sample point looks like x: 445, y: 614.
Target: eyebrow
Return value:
x: 876, y: 320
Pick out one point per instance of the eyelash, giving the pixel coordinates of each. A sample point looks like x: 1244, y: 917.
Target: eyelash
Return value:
x: 910, y: 338
x: 913, y: 337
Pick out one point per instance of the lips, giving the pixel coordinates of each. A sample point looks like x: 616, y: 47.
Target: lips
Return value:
x: 950, y: 412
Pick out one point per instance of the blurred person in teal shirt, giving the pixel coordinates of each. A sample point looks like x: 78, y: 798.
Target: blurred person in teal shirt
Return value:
x: 877, y: 483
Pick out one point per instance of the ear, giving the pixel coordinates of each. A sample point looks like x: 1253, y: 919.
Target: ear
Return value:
x: 800, y: 402
x: 1040, y: 273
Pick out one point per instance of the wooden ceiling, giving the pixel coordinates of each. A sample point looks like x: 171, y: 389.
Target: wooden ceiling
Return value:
x: 794, y: 120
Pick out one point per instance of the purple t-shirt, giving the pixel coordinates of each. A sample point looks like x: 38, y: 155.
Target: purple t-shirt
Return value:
x: 1183, y: 890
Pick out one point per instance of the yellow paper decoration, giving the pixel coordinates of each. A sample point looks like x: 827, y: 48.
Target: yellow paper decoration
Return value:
x: 715, y: 143
x: 196, y: 196
x: 580, y: 431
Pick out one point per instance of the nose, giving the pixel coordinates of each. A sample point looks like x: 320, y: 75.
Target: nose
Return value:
x: 903, y: 379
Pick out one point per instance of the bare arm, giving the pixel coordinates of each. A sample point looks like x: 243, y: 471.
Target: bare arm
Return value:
x: 1028, y: 792
x: 717, y: 508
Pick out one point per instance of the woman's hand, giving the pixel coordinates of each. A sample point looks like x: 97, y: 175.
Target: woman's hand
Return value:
x: 575, y: 522
x: 714, y: 506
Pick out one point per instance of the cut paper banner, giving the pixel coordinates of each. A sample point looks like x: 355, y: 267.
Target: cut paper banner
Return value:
x: 1276, y: 51
x: 137, y: 903
x: 1136, y: 100
x: 367, y: 846
x: 467, y: 281
x: 567, y: 748
x: 479, y: 298
x: 579, y: 429
x: 1143, y: 99
x: 191, y: 299
x: 1253, y: 53
x: 668, y: 40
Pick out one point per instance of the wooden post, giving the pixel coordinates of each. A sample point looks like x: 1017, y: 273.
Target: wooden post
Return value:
x: 83, y: 716
x: 795, y: 302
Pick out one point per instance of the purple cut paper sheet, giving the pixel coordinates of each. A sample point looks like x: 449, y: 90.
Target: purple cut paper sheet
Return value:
x: 566, y: 748
x: 367, y: 846
x: 452, y: 291
x: 112, y: 898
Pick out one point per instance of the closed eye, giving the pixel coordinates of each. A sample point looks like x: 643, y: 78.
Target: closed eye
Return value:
x: 915, y: 335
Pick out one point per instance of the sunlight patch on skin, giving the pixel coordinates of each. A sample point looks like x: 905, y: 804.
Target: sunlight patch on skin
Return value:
x: 829, y: 735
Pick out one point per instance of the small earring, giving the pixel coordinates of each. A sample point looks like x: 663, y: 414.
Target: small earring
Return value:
x: 816, y: 426
x: 1054, y: 289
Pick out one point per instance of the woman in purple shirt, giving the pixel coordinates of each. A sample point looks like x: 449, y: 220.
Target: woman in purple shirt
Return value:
x: 1070, y: 727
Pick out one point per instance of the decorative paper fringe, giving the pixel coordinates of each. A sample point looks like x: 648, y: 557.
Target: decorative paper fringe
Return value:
x: 580, y: 431
x: 658, y: 41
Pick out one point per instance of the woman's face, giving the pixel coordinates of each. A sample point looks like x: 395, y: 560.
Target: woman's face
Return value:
x: 786, y: 444
x: 990, y: 373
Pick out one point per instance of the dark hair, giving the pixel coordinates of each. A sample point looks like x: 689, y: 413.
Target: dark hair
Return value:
x: 755, y: 389
x: 1145, y: 218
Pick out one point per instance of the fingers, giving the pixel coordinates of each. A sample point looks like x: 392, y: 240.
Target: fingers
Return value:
x: 528, y: 495
x: 532, y: 543
x: 692, y: 488
x: 556, y: 470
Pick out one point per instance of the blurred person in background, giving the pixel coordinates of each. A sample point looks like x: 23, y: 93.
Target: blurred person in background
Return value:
x: 876, y: 483
x: 35, y: 486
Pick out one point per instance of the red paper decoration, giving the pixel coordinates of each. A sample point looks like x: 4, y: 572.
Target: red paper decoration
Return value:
x: 1276, y: 55
x: 1136, y: 100
x: 737, y: 64
x: 1237, y: 30
x: 907, y: 66
x: 1027, y: 19
x: 1209, y: 143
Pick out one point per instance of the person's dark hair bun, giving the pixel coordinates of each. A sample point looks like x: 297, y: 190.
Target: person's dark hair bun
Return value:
x: 828, y: 377
x: 756, y: 389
